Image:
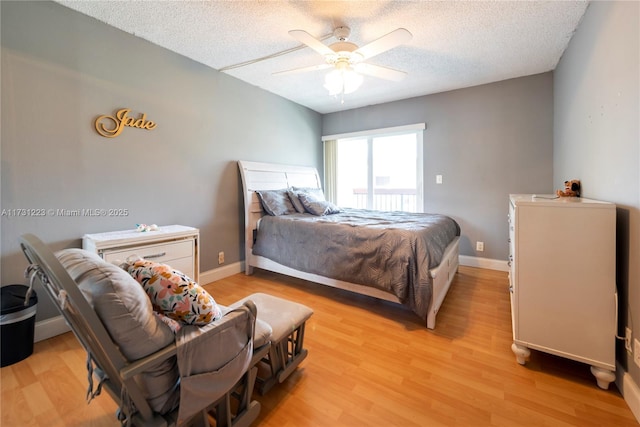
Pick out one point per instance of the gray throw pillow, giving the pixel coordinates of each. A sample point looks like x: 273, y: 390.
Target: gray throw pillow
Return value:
x: 276, y: 202
x: 316, y: 192
x: 317, y: 207
x: 297, y: 204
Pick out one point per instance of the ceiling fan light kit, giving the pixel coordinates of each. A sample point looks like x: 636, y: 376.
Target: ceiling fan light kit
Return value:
x: 347, y: 58
x: 342, y: 80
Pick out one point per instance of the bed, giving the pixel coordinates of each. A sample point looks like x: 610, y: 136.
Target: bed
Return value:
x: 427, y: 268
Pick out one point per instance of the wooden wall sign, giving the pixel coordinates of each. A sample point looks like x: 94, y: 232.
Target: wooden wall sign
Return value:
x: 111, y: 126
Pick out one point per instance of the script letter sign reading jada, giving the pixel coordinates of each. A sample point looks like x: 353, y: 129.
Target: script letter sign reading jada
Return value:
x: 111, y: 126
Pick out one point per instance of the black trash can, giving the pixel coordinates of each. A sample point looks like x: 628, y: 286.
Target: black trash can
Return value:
x: 17, y: 323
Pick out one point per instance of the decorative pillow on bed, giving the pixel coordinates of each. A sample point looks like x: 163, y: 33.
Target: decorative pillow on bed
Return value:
x: 316, y: 192
x: 317, y: 207
x: 276, y: 202
x: 295, y: 192
x: 173, y: 294
x: 297, y: 204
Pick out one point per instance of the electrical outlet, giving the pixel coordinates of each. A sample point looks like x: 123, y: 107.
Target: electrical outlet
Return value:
x: 438, y: 179
x: 627, y: 339
x: 479, y: 246
x: 220, y: 257
x: 636, y: 352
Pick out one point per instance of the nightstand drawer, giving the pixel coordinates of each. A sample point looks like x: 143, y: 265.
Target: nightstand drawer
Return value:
x: 183, y: 265
x: 160, y: 253
x: 177, y: 255
x: 174, y: 245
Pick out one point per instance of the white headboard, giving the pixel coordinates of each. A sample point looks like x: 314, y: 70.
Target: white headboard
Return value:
x: 268, y: 176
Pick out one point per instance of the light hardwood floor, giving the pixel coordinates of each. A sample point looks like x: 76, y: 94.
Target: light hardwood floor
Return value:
x: 370, y: 363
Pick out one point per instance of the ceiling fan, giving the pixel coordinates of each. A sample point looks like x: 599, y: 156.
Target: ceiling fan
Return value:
x: 347, y: 59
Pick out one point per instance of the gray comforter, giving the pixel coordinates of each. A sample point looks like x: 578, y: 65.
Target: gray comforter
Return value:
x: 392, y: 251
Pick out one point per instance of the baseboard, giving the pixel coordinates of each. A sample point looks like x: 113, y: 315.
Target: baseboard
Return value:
x: 629, y: 390
x: 49, y: 328
x: 490, y: 264
x: 221, y: 272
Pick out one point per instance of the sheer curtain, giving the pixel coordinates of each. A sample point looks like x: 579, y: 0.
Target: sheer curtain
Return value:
x: 330, y: 181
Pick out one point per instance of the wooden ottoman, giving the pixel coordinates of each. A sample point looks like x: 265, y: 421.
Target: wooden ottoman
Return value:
x: 287, y: 320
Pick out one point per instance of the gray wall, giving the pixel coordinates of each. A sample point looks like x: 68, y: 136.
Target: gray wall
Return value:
x: 597, y: 137
x: 487, y: 141
x: 61, y: 69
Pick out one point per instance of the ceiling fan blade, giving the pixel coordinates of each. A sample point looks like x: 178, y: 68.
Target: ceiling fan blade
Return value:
x: 315, y: 44
x: 303, y: 69
x: 384, y: 43
x: 380, y: 72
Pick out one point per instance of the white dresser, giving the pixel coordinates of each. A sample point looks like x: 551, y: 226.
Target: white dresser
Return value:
x: 174, y: 245
x: 562, y: 258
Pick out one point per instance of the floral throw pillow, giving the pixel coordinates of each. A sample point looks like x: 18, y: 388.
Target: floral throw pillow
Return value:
x: 173, y: 294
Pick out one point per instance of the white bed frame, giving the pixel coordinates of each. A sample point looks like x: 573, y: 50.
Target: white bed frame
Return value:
x: 270, y: 176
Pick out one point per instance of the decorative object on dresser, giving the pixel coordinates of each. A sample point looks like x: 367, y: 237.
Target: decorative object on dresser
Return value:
x: 175, y: 245
x: 562, y: 280
x: 571, y: 189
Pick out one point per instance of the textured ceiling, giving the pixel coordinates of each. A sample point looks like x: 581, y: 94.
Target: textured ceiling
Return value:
x: 455, y: 44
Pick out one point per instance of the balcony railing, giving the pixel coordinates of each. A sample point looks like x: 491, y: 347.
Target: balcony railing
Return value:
x: 387, y: 199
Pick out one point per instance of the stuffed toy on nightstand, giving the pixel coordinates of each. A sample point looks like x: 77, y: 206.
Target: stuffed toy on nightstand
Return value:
x: 571, y: 189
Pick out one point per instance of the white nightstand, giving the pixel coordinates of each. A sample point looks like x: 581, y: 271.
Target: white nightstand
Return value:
x: 174, y: 245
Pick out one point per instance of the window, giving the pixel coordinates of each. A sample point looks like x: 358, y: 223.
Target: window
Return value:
x: 379, y: 169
